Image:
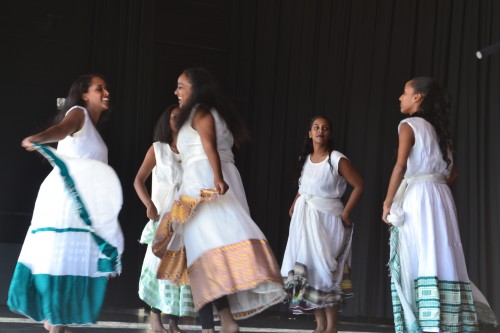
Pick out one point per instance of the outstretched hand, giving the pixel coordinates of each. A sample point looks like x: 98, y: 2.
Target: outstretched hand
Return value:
x: 27, y: 144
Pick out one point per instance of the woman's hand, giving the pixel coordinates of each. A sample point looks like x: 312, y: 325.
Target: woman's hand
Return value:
x: 27, y: 143
x: 385, y: 211
x: 221, y: 186
x: 152, y: 213
x: 346, y: 221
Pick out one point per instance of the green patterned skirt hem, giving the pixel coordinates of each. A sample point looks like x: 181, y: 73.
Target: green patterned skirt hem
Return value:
x: 444, y: 305
x: 167, y: 297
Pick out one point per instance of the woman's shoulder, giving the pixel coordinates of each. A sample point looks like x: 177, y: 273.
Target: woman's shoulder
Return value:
x: 414, y: 121
x: 200, y: 108
x: 201, y: 111
x: 161, y: 147
x: 77, y: 107
x: 163, y: 152
x: 417, y: 124
x: 336, y: 156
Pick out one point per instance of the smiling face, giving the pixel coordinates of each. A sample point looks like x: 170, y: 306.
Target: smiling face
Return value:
x: 97, y: 96
x: 320, y: 131
x: 409, y: 101
x: 183, y: 90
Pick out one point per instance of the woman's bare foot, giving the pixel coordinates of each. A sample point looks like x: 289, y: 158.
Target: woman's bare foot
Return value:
x: 228, y: 324
x: 230, y: 328
x: 173, y: 327
x: 57, y: 329
x: 157, y: 324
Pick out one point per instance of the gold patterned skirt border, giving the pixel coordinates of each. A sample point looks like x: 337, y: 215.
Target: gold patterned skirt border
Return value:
x: 235, y: 268
x: 173, y: 265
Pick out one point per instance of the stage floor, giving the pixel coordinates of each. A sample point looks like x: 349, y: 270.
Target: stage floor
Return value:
x: 136, y: 321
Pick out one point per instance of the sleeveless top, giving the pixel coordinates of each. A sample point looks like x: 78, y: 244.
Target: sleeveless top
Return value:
x: 320, y: 180
x: 425, y: 156
x: 86, y: 143
x: 190, y: 145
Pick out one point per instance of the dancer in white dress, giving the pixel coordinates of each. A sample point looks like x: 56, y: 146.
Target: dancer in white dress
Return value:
x: 162, y: 161
x: 431, y: 290
x: 74, y: 241
x: 319, y: 242
x: 229, y: 262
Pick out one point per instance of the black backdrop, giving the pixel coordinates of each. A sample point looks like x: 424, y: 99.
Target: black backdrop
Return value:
x: 282, y: 62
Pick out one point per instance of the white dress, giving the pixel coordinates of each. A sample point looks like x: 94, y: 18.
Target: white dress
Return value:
x: 161, y: 294
x: 431, y: 290
x: 319, y: 246
x: 74, y: 241
x: 226, y: 252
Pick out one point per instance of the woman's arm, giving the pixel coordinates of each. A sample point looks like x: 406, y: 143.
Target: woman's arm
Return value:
x: 139, y: 184
x: 204, y: 124
x: 353, y: 178
x: 70, y: 124
x: 406, y: 142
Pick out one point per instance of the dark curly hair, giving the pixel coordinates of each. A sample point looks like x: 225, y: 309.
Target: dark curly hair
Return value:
x: 308, y: 148
x: 163, y: 132
x: 205, y: 91
x: 435, y: 109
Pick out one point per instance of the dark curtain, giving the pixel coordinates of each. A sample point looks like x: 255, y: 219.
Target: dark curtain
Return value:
x: 350, y: 60
x: 282, y: 62
x: 121, y: 46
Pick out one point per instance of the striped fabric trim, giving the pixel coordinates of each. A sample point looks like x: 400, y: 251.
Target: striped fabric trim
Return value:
x: 34, y: 231
x: 111, y: 263
x: 173, y: 264
x: 444, y: 305
x: 170, y: 299
x: 302, y: 297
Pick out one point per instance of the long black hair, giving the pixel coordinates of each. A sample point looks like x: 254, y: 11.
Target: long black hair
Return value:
x: 307, y: 148
x: 206, y: 91
x: 79, y: 87
x: 163, y: 131
x: 435, y: 109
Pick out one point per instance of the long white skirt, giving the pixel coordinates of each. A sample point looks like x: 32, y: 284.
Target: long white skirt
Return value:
x: 431, y: 290
x: 71, y: 246
x: 226, y: 252
x: 317, y: 252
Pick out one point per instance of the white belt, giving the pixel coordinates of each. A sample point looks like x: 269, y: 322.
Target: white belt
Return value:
x: 324, y: 205
x: 396, y: 215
